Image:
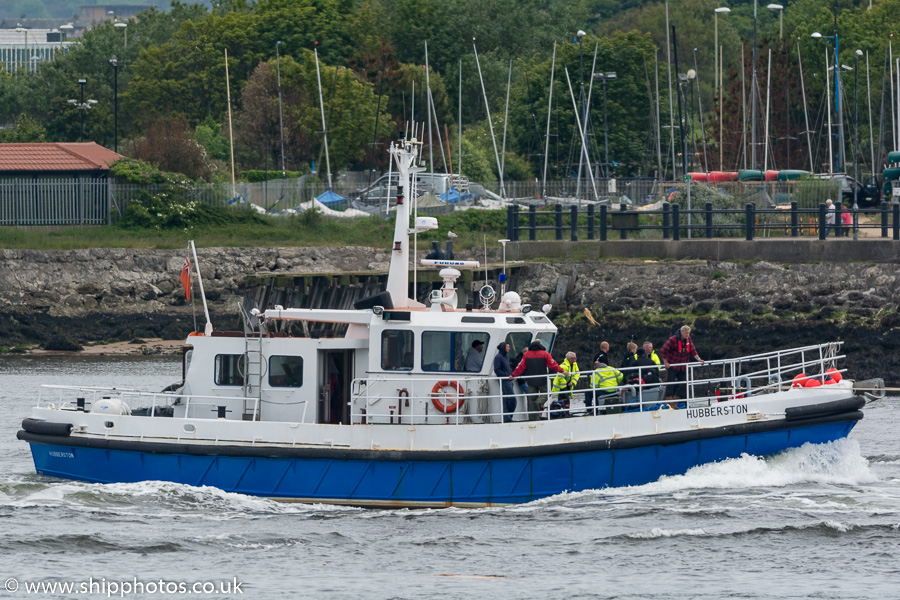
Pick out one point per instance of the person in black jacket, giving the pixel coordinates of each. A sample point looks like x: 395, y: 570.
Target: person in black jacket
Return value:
x: 503, y: 370
x: 603, y: 355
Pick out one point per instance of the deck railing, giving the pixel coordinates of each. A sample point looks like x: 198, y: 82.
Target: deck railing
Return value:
x: 707, y: 383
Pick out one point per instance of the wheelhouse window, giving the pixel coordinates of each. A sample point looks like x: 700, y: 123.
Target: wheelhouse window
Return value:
x: 546, y: 339
x: 230, y: 369
x: 449, y: 351
x: 286, y: 371
x: 397, y: 350
x: 518, y: 343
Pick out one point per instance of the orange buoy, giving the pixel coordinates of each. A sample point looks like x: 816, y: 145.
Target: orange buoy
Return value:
x: 835, y: 374
x: 799, y: 380
x: 812, y: 383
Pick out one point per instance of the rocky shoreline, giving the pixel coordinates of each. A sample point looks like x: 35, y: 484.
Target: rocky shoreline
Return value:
x: 107, y: 295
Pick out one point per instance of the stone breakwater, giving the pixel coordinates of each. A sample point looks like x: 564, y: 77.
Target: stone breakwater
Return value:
x: 735, y: 307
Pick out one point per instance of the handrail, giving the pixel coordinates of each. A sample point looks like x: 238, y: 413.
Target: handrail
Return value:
x: 738, y: 381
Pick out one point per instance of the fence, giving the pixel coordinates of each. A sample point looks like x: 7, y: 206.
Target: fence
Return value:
x: 54, y: 201
x: 671, y: 222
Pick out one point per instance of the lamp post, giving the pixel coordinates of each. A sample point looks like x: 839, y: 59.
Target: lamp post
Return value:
x: 124, y: 27
x: 24, y: 32
x: 82, y: 105
x: 780, y: 10
x: 724, y: 10
x: 114, y: 63
x: 604, y: 77
x: 838, y: 107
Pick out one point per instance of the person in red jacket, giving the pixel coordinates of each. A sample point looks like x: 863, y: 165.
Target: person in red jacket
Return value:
x: 676, y: 353
x: 534, y: 367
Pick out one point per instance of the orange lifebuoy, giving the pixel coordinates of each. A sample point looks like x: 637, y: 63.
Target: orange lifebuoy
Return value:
x: 437, y: 393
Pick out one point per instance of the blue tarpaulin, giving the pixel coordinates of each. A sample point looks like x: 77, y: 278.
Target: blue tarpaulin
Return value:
x: 330, y: 198
x: 452, y: 196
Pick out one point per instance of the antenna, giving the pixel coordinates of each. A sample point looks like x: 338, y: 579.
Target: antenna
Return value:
x: 485, y: 260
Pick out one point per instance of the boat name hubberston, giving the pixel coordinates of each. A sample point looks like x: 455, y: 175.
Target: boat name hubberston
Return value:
x: 716, y: 411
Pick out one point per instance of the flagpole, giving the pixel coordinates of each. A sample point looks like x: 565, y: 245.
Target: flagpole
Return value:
x: 191, y: 288
x: 208, y: 329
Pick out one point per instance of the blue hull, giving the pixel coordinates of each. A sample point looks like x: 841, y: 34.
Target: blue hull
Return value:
x: 392, y: 482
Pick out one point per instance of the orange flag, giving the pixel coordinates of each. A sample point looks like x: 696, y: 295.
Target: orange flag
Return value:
x: 186, y: 279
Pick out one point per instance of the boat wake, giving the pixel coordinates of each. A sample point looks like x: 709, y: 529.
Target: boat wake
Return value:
x: 150, y: 498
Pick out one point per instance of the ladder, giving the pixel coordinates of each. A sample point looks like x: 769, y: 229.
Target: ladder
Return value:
x: 254, y: 364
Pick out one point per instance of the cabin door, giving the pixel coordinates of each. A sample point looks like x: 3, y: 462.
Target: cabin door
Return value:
x: 334, y: 386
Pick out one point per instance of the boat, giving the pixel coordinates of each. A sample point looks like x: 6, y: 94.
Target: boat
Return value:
x: 387, y: 415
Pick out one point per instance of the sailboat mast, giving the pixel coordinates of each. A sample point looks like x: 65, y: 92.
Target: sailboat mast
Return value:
x: 324, y: 128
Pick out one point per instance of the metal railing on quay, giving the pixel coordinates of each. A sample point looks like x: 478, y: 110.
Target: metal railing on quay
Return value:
x: 602, y: 222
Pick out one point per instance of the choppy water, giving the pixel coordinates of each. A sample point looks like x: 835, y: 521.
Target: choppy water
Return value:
x: 817, y: 522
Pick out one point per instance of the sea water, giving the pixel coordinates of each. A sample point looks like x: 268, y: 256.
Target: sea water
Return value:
x: 814, y: 522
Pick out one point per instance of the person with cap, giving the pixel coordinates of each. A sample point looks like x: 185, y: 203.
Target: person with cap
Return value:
x: 565, y: 382
x: 474, y: 359
x: 534, y: 367
x: 503, y: 370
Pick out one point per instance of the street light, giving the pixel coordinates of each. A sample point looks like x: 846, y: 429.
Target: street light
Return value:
x: 124, y: 27
x: 718, y: 80
x: 721, y: 10
x: 82, y: 105
x: 780, y: 10
x: 22, y: 30
x: 114, y: 63
x: 604, y: 77
x: 838, y: 107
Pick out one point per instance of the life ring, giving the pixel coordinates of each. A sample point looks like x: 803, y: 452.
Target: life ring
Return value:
x: 437, y: 393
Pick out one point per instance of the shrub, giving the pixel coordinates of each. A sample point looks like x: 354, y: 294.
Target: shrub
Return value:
x: 700, y: 195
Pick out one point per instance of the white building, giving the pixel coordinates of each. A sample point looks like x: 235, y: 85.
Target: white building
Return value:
x: 24, y: 49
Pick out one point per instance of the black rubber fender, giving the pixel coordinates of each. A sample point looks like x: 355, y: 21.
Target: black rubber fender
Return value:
x: 826, y: 408
x: 42, y: 427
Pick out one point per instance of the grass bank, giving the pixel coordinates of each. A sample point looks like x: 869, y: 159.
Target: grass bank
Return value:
x: 305, y: 229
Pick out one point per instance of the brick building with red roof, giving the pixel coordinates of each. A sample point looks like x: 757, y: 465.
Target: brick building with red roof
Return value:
x: 56, y: 183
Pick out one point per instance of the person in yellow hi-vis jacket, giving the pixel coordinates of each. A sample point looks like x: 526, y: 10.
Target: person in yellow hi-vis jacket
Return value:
x: 604, y: 383
x: 565, y: 382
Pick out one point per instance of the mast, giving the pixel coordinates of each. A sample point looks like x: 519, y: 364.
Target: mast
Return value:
x: 812, y: 167
x: 322, y: 109
x: 490, y: 124
x: 280, y: 121
x: 671, y: 108
x: 428, y: 111
x: 505, y: 123
x: 404, y: 156
x: 549, y: 111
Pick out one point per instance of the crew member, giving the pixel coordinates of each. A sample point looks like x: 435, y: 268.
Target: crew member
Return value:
x: 535, y: 365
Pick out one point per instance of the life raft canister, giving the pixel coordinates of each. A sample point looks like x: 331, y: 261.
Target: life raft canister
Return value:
x: 438, y: 393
